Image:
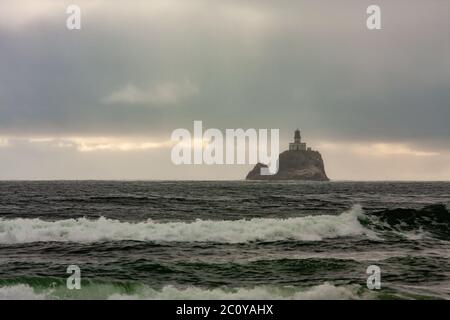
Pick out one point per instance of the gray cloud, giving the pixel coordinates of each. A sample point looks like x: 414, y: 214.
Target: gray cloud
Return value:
x: 171, y: 93
x: 268, y: 64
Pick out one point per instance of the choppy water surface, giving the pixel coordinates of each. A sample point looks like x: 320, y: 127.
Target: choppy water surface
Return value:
x: 220, y: 240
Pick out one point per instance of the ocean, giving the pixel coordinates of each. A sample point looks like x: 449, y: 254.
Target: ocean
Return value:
x: 224, y: 240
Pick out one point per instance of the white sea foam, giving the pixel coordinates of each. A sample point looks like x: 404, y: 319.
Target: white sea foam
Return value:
x: 20, y: 292
x: 308, y: 228
x: 323, y: 291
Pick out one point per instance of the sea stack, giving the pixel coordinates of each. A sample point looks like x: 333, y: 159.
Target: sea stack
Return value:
x: 297, y: 163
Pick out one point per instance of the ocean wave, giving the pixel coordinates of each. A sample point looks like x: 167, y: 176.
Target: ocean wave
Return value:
x: 324, y: 291
x: 170, y: 292
x: 308, y: 228
x: 413, y: 224
x: 21, y: 292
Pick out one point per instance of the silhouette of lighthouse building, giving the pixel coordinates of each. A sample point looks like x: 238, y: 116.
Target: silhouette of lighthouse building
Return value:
x: 297, y: 145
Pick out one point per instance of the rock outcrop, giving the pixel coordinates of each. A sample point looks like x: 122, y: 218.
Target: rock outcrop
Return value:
x: 294, y: 165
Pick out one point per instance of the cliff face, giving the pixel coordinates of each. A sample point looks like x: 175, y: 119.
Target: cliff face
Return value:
x: 294, y: 165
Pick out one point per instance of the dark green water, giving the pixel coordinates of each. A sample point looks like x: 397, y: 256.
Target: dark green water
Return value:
x: 218, y: 240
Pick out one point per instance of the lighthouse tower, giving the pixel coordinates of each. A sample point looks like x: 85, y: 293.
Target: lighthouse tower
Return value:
x: 297, y: 145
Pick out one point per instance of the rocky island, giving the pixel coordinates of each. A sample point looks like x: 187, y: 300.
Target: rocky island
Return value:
x: 297, y: 163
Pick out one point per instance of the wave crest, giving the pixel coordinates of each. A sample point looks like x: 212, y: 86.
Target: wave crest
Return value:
x: 432, y: 220
x: 308, y: 228
x: 170, y: 292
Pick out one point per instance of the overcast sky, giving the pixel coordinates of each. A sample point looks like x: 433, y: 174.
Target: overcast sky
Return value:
x: 102, y: 102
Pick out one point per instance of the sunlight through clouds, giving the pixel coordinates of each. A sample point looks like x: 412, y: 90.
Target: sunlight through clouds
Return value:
x: 4, y: 142
x: 168, y: 93
x: 378, y: 149
x: 117, y: 88
x: 91, y: 144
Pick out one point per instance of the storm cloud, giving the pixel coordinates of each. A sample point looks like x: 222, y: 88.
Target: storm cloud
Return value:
x: 138, y: 70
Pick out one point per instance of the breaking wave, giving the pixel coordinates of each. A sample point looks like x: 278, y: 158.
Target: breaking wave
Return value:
x: 170, y: 292
x: 308, y: 228
x: 432, y: 220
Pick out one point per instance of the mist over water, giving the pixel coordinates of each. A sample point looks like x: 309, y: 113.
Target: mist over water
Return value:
x: 224, y: 240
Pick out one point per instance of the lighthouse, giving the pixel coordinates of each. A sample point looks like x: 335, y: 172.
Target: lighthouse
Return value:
x: 297, y: 145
